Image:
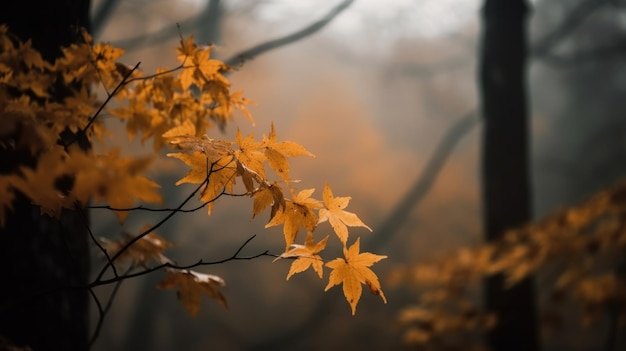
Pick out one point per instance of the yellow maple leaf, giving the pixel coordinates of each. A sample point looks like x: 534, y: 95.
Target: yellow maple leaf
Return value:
x: 263, y: 198
x: 30, y: 56
x: 278, y: 151
x: 353, y: 271
x: 41, y: 184
x: 240, y: 102
x: 268, y: 195
x: 191, y: 286
x: 149, y: 248
x: 306, y: 256
x: 297, y: 213
x: 251, y: 155
x: 114, y: 179
x: 336, y: 216
x: 218, y: 175
x: 181, y: 135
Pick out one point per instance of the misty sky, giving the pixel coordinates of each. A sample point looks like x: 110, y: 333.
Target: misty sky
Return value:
x: 427, y: 18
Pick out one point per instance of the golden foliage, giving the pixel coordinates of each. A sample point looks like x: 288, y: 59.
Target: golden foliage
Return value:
x: 149, y: 247
x: 587, y: 241
x: 306, y: 256
x: 191, y: 286
x: 336, y: 216
x: 352, y: 271
x: 171, y: 109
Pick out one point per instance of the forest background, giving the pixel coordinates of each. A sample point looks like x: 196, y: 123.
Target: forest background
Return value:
x: 373, y: 93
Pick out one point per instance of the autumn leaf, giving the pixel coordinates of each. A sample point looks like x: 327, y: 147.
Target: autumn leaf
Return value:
x: 251, y: 155
x: 297, y: 213
x: 149, y: 248
x: 335, y: 214
x: 240, y: 103
x: 184, y: 137
x: 40, y: 184
x: 114, y: 179
x: 271, y: 195
x: 306, y: 256
x: 352, y: 271
x: 277, y: 153
x: 191, y: 286
x: 263, y: 198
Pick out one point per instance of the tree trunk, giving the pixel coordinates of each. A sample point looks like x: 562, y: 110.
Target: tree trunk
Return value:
x: 505, y: 164
x: 38, y: 253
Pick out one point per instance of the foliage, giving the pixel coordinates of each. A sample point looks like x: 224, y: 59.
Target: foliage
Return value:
x: 580, y: 251
x: 73, y: 164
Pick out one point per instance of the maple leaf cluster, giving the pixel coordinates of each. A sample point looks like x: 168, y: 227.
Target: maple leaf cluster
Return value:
x: 582, y: 246
x: 174, y: 109
x: 217, y: 165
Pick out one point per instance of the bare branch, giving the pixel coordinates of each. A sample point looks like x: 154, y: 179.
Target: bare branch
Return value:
x: 199, y: 263
x: 255, y: 51
x: 103, y: 311
x: 390, y: 226
x: 608, y: 52
x: 94, y: 240
x: 157, y: 225
x: 573, y: 19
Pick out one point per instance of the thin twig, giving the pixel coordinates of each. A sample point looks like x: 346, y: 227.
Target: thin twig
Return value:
x: 92, y: 119
x: 100, y: 317
x: 573, y: 19
x: 199, y: 263
x: 95, y: 241
x: 103, y: 311
x: 149, y: 230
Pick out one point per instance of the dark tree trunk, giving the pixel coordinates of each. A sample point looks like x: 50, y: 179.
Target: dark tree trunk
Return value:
x: 505, y: 170
x: 38, y: 253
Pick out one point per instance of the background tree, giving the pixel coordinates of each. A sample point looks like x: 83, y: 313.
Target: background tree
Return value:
x: 506, y: 184
x: 66, y: 182
x: 38, y: 252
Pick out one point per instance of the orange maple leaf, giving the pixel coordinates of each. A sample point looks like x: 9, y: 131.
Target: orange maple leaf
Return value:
x: 297, y: 213
x: 219, y: 175
x: 268, y: 195
x: 191, y: 286
x: 251, y: 156
x: 353, y: 271
x: 149, y: 247
x: 306, y: 256
x: 114, y: 179
x: 278, y: 151
x: 336, y: 216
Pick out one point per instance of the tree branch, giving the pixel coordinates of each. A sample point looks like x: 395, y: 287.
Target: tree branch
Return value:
x: 607, y: 52
x: 103, y: 311
x: 393, y: 222
x: 255, y: 51
x: 573, y: 19
x: 199, y: 263
x: 147, y: 231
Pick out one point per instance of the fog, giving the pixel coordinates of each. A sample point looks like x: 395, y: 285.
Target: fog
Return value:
x: 371, y: 94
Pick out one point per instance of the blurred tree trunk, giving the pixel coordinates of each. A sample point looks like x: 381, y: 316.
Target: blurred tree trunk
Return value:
x: 38, y: 253
x: 505, y: 164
